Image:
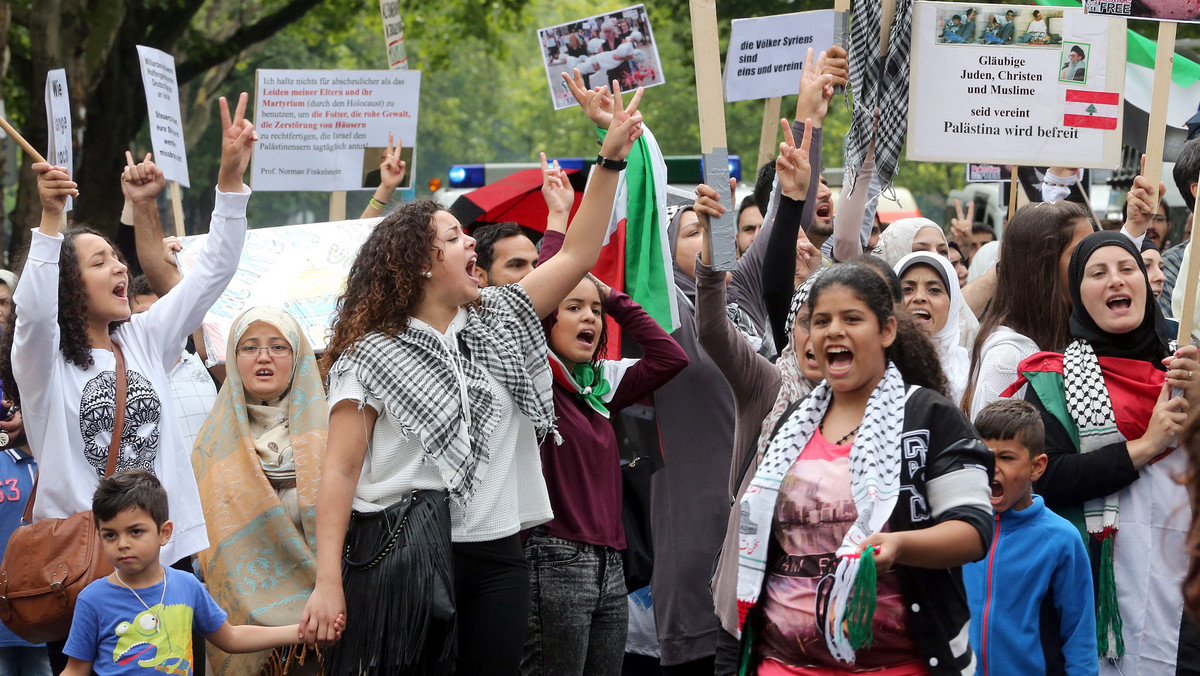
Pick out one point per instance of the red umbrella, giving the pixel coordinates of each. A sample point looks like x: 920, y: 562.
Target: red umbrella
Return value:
x: 516, y: 197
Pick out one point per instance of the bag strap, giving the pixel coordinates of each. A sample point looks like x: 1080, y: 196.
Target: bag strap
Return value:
x: 114, y: 446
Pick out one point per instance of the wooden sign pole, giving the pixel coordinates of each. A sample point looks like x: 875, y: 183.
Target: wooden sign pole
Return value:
x: 1013, y: 182
x: 177, y: 207
x: 337, y: 205
x: 713, y: 146
x: 770, y: 128
x: 1164, y: 60
x: 29, y: 150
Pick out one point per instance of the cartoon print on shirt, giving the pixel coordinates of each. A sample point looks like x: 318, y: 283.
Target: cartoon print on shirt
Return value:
x: 97, y: 413
x: 159, y: 638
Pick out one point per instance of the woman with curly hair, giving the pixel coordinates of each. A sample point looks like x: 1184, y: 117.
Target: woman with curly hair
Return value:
x: 72, y: 324
x: 439, y: 394
x: 870, y: 495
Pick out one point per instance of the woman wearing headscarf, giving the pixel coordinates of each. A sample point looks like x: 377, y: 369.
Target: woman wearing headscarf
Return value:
x: 258, y: 461
x: 1111, y: 418
x: 909, y: 235
x: 933, y: 298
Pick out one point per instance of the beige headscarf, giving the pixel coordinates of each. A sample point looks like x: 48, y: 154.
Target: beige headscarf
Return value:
x: 260, y: 567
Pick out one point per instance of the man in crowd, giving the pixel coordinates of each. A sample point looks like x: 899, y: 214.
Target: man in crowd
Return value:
x: 1074, y: 68
x: 981, y: 233
x: 505, y: 254
x: 750, y: 219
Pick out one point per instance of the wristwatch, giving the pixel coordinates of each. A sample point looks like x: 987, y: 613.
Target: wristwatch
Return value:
x: 613, y: 165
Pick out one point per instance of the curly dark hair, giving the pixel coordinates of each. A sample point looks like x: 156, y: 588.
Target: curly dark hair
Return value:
x: 385, y: 282
x: 74, y: 343
x: 912, y: 351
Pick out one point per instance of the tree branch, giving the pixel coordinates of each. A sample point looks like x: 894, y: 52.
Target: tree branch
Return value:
x: 169, y: 23
x: 211, y: 53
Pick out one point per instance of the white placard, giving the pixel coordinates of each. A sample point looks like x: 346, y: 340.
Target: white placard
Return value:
x: 1001, y: 84
x: 393, y: 34
x: 326, y: 130
x: 766, y: 54
x: 300, y: 268
x: 162, y: 108
x: 58, y: 121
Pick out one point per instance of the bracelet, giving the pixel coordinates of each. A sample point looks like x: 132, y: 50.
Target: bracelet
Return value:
x: 613, y: 165
x: 379, y: 205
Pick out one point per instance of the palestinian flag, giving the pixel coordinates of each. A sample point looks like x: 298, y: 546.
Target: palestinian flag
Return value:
x: 636, y: 257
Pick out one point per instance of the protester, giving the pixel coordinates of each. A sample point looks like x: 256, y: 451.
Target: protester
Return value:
x: 1153, y: 261
x: 505, y: 254
x: 61, y: 365
x: 981, y: 233
x: 578, y: 612
x: 959, y: 261
x: 438, y: 395
x: 1187, y: 168
x: 8, y: 284
x: 1110, y: 389
x: 17, y: 473
x: 132, y: 514
x: 391, y: 175
x: 257, y: 462
x: 1032, y: 303
x: 932, y: 297
x: 749, y: 220
x: 1031, y: 598
x: 858, y: 434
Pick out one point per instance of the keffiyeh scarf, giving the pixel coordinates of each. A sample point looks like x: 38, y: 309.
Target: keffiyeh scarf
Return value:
x: 878, y: 82
x: 874, y: 485
x: 792, y: 383
x: 1091, y: 408
x: 442, y: 395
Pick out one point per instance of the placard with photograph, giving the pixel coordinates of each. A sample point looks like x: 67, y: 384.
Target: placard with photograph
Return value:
x: 616, y: 45
x: 1015, y: 84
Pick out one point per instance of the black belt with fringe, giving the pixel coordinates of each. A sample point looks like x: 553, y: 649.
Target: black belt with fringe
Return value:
x: 398, y: 578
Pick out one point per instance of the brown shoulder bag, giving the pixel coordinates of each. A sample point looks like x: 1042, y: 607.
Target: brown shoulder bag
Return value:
x: 49, y: 561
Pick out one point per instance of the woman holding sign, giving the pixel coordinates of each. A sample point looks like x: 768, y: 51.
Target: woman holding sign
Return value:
x: 439, y: 394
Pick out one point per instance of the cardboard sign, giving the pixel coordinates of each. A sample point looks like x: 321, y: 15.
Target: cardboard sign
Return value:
x: 59, y: 151
x: 1160, y: 10
x: 162, y: 107
x: 613, y: 46
x: 393, y: 34
x: 300, y: 268
x: 1001, y: 84
x: 766, y: 54
x: 323, y: 130
x: 988, y: 173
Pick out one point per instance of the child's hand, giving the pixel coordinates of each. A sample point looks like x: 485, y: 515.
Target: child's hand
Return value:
x: 556, y: 189
x: 887, y: 549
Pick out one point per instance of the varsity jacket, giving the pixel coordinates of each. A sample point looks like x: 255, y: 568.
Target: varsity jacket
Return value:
x: 1032, y: 610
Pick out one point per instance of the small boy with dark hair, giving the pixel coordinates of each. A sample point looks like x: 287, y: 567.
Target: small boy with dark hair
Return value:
x: 1031, y: 600
x: 142, y: 614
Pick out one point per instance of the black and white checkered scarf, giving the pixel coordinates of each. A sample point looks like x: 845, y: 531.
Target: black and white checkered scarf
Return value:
x: 443, y: 396
x: 878, y: 82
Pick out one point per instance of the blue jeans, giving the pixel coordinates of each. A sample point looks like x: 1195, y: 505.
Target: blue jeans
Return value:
x: 577, y: 611
x: 24, y: 661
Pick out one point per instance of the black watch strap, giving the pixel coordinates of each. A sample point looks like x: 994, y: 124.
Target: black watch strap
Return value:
x: 613, y: 165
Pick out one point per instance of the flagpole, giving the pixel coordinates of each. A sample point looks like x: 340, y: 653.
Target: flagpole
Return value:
x: 1156, y: 131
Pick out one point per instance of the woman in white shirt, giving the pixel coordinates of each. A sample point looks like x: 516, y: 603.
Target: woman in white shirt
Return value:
x: 439, y: 394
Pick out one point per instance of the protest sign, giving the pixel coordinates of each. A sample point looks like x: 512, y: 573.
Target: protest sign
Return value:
x: 393, y: 34
x: 299, y: 268
x: 162, y: 108
x: 58, y: 120
x: 766, y: 54
x: 616, y: 45
x: 1012, y: 84
x: 988, y: 173
x: 325, y: 130
x: 1161, y: 10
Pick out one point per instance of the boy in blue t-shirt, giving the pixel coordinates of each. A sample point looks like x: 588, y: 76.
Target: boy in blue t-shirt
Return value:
x: 139, y: 619
x: 1031, y: 600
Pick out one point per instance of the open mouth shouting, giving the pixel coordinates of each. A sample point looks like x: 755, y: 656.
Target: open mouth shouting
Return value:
x: 997, y: 493
x: 586, y: 338
x: 471, y: 269
x: 824, y: 209
x: 1119, y: 303
x: 120, y: 291
x: 921, y: 314
x: 838, y: 360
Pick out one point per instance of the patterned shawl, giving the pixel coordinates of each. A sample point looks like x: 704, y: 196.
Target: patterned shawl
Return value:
x: 259, y: 568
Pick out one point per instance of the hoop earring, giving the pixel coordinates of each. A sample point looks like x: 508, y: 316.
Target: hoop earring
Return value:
x: 427, y: 274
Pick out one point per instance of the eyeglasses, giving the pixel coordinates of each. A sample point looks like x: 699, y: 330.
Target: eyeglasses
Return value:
x: 252, y: 351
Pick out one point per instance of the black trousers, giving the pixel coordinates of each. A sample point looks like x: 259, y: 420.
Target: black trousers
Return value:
x: 729, y: 654
x: 491, y: 592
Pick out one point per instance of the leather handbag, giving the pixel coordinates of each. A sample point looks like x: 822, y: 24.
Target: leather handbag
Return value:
x: 49, y: 561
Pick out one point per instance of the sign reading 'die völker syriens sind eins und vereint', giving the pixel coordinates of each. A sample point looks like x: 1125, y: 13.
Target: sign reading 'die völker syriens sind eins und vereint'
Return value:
x: 766, y: 53
x: 1015, y: 84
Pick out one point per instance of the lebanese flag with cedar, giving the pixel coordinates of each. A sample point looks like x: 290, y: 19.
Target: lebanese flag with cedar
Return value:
x: 1095, y: 110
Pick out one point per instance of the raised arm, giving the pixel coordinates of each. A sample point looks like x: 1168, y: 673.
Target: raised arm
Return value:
x: 391, y: 175
x: 786, y: 248
x: 142, y: 184
x: 550, y: 282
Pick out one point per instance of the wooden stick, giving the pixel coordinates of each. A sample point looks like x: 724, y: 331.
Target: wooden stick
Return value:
x: 770, y: 128
x: 708, y: 75
x: 337, y: 205
x: 8, y: 129
x: 1012, y: 192
x: 177, y: 207
x: 1187, y: 318
x: 1157, y: 129
x: 885, y: 25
